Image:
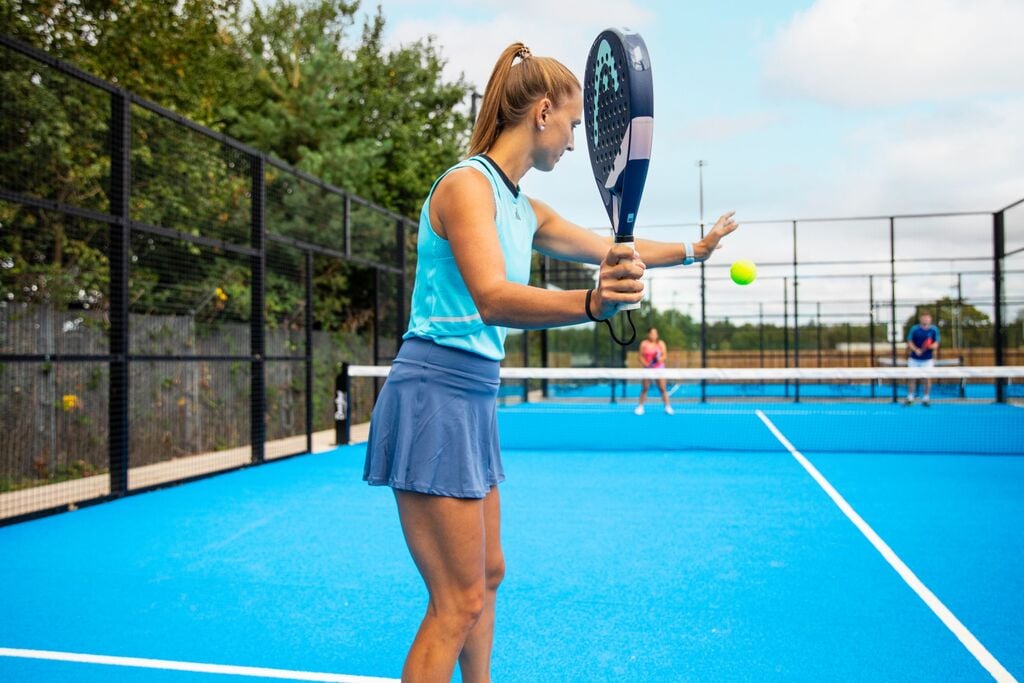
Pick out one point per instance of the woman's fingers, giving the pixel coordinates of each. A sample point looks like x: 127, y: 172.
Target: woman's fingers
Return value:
x: 619, y: 253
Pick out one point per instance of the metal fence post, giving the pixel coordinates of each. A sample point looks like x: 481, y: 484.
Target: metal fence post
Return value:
x: 998, y: 250
x: 257, y: 332
x: 400, y: 256
x: 796, y: 319
x: 120, y: 247
x: 526, y: 364
x: 785, y: 327
x: 892, y: 302
x: 309, y: 351
x: 703, y: 321
x: 376, y: 328
x: 544, y: 275
x: 346, y: 221
x: 871, y: 327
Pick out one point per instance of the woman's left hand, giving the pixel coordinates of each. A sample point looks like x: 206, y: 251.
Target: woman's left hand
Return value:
x: 723, y: 227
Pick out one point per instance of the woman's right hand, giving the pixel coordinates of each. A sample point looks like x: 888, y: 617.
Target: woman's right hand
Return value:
x: 619, y: 281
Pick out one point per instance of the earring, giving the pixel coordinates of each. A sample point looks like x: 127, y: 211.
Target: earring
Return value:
x: 540, y: 127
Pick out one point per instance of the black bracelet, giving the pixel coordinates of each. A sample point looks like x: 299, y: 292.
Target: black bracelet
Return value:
x: 587, y: 307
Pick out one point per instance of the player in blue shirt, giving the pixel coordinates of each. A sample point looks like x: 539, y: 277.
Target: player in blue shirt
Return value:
x: 922, y: 343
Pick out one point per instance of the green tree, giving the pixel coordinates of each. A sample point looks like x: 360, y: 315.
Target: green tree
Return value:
x: 174, y: 52
x: 381, y: 123
x: 55, y: 129
x: 1015, y: 332
x: 287, y: 79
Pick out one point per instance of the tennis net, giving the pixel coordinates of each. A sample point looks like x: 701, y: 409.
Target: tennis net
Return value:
x: 972, y: 410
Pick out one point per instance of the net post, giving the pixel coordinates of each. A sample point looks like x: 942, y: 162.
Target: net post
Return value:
x: 120, y: 263
x: 342, y: 407
x: 257, y: 340
x: 998, y: 251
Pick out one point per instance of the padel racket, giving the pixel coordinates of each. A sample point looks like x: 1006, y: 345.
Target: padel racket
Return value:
x: 618, y: 110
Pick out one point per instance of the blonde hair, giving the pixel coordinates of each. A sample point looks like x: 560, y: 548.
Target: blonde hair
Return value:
x: 513, y: 88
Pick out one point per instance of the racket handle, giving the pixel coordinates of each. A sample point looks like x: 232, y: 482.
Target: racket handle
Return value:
x: 628, y: 239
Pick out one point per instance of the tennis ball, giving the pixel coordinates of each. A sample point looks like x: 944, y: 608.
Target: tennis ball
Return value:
x: 743, y: 272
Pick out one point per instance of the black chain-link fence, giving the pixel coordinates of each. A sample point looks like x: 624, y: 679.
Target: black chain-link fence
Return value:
x: 172, y: 302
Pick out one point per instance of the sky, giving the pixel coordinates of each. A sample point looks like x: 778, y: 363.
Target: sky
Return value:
x: 801, y: 109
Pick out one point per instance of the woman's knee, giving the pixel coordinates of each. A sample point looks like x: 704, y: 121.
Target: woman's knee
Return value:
x: 495, y: 572
x: 462, y: 608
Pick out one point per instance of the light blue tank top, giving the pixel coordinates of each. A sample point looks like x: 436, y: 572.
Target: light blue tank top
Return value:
x: 442, y: 309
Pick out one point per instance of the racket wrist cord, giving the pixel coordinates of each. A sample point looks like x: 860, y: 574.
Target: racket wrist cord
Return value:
x: 608, y: 322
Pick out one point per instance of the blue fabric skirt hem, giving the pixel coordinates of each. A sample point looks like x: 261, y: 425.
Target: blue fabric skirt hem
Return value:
x: 433, y: 491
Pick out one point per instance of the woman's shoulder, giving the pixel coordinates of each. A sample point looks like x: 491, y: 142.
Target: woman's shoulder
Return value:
x: 462, y: 182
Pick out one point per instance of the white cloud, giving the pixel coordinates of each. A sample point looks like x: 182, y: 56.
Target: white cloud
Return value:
x: 724, y: 127
x: 957, y: 158
x: 871, y: 52
x: 473, y: 45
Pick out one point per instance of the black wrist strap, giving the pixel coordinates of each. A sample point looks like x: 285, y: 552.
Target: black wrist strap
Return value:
x: 607, y: 321
x: 586, y: 306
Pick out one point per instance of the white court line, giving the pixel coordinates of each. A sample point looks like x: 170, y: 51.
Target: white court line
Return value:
x: 972, y: 644
x: 169, y: 665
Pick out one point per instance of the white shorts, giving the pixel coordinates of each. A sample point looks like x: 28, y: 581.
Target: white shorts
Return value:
x: 920, y: 362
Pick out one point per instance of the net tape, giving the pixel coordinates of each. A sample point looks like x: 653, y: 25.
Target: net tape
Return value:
x: 739, y: 374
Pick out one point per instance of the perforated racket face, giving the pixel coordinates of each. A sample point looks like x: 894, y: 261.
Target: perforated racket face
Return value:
x: 618, y: 111
x: 605, y: 104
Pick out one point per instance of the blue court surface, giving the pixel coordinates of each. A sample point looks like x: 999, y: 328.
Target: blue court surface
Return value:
x: 728, y: 542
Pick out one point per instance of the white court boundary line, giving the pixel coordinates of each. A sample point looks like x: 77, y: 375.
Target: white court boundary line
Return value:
x: 196, y: 667
x: 972, y: 644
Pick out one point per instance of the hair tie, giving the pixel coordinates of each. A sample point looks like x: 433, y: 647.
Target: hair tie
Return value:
x: 524, y: 53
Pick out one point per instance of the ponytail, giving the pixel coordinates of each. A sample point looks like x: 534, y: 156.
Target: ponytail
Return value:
x: 513, y: 88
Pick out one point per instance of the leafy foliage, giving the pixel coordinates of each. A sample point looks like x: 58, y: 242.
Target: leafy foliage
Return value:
x: 294, y: 79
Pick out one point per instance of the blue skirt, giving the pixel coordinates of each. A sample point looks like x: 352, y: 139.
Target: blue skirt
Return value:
x: 434, y: 428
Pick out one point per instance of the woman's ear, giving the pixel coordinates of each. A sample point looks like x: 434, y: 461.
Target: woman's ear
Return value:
x: 543, y: 110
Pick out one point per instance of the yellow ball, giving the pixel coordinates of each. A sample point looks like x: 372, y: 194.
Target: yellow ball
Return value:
x: 743, y: 272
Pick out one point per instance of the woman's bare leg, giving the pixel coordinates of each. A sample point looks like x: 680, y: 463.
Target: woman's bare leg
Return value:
x: 447, y: 540
x: 475, y: 660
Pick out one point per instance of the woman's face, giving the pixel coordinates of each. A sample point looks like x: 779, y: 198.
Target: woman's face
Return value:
x: 558, y: 135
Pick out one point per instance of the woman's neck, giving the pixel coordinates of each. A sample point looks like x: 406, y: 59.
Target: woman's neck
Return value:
x: 512, y: 153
